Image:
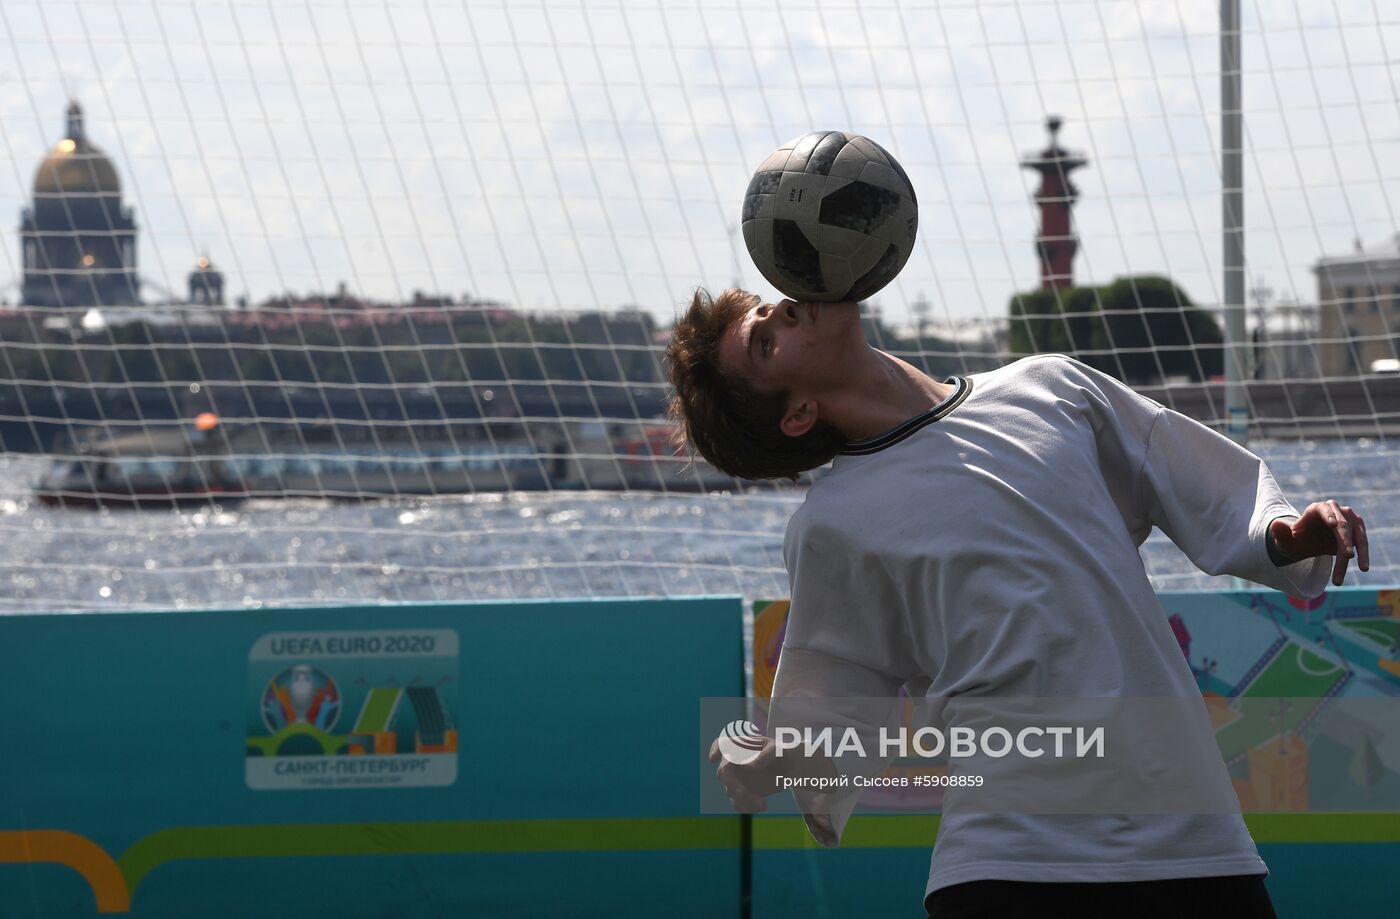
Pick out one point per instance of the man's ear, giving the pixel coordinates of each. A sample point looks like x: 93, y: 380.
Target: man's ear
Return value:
x: 800, y: 418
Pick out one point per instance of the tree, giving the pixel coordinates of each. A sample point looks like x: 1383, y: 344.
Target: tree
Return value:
x: 1138, y: 329
x: 1157, y: 332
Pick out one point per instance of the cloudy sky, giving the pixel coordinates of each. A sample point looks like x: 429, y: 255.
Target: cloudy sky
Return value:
x: 563, y: 155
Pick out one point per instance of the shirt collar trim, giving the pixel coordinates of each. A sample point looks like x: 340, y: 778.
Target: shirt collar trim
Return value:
x: 918, y: 422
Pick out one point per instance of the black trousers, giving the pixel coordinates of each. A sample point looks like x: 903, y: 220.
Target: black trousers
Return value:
x: 1237, y: 897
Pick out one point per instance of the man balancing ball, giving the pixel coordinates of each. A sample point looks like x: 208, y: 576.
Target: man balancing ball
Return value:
x: 978, y: 536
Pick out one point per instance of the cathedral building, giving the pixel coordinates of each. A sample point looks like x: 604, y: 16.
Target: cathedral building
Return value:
x: 77, y: 240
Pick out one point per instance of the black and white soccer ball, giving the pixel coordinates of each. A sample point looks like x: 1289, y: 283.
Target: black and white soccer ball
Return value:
x: 830, y: 216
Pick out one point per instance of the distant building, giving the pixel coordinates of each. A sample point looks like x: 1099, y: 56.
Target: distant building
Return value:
x: 77, y: 240
x: 1284, y: 341
x: 206, y: 283
x: 1358, y: 308
x: 1057, y: 242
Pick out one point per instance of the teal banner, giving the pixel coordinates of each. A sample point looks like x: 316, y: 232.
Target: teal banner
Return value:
x: 523, y: 759
x: 510, y: 759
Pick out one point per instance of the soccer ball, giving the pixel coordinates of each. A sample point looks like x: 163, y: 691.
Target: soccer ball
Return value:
x: 830, y: 216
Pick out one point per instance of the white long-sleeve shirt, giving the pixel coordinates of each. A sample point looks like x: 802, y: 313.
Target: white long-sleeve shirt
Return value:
x: 990, y: 547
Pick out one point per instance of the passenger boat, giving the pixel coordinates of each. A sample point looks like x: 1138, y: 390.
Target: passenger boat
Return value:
x: 150, y: 469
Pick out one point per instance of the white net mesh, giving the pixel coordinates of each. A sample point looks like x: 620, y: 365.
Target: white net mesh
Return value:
x: 376, y: 292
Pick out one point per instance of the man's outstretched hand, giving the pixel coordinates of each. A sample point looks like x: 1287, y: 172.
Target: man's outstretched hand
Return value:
x: 750, y: 783
x: 1325, y: 528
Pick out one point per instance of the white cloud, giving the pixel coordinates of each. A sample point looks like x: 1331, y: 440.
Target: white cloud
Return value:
x: 558, y: 154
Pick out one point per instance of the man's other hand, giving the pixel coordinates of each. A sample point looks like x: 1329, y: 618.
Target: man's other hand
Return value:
x: 749, y: 784
x: 1325, y: 528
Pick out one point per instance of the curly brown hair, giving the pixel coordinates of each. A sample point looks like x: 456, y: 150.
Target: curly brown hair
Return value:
x: 723, y: 418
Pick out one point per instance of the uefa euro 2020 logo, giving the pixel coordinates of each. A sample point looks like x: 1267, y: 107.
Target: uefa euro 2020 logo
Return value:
x: 740, y: 742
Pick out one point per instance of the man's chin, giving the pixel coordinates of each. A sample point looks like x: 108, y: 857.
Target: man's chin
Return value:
x: 846, y: 312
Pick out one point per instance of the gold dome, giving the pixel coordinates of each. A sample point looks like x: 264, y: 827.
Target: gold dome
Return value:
x: 75, y: 165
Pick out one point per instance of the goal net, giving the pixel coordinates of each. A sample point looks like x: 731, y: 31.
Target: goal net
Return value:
x: 366, y: 301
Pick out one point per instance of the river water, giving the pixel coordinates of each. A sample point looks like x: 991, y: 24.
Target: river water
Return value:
x: 523, y: 545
